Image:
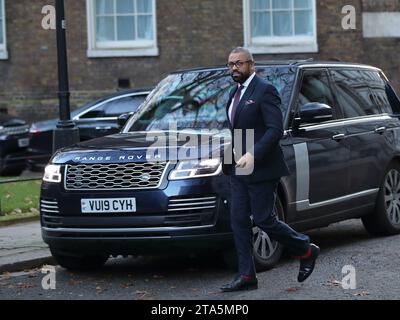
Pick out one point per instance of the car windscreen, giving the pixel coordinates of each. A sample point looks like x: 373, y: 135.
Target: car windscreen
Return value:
x: 197, y: 100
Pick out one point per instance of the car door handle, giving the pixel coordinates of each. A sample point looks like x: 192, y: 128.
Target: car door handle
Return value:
x: 380, y: 129
x: 103, y: 128
x: 339, y: 136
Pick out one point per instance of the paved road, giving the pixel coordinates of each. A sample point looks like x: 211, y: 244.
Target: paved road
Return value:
x: 376, y: 262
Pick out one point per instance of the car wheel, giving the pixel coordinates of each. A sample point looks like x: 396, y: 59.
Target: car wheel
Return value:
x: 385, y: 220
x: 35, y: 167
x: 78, y: 262
x: 267, y: 252
x: 12, y: 172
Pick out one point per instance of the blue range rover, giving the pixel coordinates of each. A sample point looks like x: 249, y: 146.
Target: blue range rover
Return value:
x: 124, y: 194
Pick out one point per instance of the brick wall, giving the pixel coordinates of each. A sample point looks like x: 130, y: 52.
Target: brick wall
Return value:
x: 190, y: 33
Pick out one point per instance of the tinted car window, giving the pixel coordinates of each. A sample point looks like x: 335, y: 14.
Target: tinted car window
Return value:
x: 315, y: 87
x: 197, y: 100
x: 354, y: 94
x: 393, y: 98
x: 94, y: 113
x: 115, y: 107
x: 378, y: 88
x: 123, y: 105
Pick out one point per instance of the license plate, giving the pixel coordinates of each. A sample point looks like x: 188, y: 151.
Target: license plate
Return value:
x: 108, y: 205
x: 23, y: 142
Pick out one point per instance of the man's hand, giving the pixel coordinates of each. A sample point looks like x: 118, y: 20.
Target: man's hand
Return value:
x: 245, y: 161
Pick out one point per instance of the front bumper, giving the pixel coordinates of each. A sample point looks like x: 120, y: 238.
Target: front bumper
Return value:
x: 124, y: 244
x: 152, y: 228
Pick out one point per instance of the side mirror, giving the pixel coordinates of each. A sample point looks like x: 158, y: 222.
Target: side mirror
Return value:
x: 123, y: 119
x: 314, y: 112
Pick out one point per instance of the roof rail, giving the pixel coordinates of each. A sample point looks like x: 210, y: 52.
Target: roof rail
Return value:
x: 335, y: 59
x: 272, y: 62
x: 302, y: 61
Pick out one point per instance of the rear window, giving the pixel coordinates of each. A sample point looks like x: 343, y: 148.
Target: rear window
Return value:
x: 364, y: 92
x: 354, y: 93
x: 393, y: 98
x: 377, y: 87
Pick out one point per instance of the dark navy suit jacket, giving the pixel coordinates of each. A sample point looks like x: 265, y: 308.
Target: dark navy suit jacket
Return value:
x: 259, y: 109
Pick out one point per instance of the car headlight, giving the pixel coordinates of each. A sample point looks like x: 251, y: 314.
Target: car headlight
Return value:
x: 52, y: 173
x: 196, y: 169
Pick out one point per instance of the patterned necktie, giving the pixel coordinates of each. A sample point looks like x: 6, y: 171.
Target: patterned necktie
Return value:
x: 236, y: 101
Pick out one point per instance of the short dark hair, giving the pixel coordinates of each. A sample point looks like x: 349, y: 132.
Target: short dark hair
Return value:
x: 243, y: 50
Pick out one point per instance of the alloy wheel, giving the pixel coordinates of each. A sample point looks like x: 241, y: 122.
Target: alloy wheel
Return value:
x: 264, y: 247
x: 392, y: 196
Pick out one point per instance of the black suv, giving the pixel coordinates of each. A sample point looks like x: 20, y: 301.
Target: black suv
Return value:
x: 127, y: 194
x: 14, y: 141
x: 94, y: 119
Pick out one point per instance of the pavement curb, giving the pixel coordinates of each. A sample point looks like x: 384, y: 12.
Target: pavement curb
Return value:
x: 22, y: 248
x: 18, y: 221
x: 26, y: 264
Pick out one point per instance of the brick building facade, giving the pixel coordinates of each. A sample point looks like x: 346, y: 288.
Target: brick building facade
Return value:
x: 186, y: 33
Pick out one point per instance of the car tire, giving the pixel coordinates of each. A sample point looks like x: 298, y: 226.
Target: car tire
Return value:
x: 267, y: 252
x: 385, y: 220
x: 266, y: 258
x: 12, y: 172
x: 78, y: 262
x: 35, y: 168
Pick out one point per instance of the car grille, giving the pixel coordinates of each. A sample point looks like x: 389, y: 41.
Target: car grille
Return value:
x: 114, y: 176
x: 14, y: 130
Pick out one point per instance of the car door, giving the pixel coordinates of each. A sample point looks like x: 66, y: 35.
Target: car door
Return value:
x: 362, y: 96
x: 101, y: 120
x: 320, y: 151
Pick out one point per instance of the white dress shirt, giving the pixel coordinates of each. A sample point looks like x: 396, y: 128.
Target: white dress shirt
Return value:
x: 245, y: 85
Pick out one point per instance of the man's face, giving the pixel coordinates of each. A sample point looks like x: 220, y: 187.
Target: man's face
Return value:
x: 243, y: 68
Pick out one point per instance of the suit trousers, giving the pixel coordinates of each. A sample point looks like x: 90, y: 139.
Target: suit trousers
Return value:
x: 258, y: 200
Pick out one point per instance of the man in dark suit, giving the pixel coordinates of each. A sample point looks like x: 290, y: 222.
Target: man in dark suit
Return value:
x: 254, y: 110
